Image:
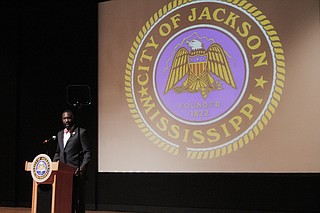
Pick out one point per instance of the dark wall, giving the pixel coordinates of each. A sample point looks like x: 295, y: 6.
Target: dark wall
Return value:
x: 8, y: 94
x: 208, y: 192
x: 47, y: 46
x: 44, y: 48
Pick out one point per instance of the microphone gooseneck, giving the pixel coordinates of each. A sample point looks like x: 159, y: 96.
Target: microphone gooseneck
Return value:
x: 50, y: 139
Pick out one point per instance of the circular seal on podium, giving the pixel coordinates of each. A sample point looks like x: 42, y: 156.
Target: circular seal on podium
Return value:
x: 41, y: 168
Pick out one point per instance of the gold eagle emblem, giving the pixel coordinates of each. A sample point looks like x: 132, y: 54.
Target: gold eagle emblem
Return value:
x: 197, y: 65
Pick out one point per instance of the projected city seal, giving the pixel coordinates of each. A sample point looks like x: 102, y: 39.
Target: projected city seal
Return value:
x: 204, y: 78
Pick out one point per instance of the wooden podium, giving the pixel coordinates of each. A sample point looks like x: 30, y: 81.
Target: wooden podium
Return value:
x: 61, y: 180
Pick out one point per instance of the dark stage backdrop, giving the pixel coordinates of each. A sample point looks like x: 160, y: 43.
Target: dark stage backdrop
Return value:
x: 44, y: 48
x: 47, y: 46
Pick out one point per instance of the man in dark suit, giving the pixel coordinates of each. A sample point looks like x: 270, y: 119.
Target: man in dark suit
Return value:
x: 73, y: 148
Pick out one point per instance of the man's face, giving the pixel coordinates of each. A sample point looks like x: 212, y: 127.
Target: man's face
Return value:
x: 67, y: 120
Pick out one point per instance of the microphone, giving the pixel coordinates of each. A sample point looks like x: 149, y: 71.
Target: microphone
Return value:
x: 50, y: 139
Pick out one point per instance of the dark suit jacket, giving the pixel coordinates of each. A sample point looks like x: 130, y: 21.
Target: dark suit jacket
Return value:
x: 69, y: 154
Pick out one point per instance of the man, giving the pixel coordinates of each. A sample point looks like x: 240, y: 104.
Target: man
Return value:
x: 73, y: 148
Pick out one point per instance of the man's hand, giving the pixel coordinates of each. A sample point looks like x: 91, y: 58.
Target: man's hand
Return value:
x: 78, y: 172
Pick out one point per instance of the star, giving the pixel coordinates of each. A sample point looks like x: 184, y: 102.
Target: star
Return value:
x: 143, y: 91
x: 260, y: 82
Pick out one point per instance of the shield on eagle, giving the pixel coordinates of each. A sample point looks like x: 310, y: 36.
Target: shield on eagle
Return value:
x: 198, y: 66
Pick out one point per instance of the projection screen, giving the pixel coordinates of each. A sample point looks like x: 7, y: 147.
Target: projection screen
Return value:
x: 209, y: 86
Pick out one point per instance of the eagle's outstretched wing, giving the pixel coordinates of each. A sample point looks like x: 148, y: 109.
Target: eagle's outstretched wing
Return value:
x: 178, y: 69
x: 218, y: 64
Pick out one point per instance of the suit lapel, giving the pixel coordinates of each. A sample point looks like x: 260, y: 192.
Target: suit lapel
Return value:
x: 60, y: 139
